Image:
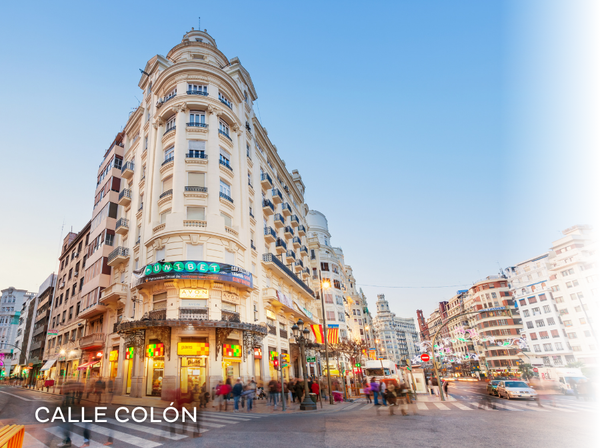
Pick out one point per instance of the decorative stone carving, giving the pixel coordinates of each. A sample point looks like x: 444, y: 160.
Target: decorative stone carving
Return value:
x: 164, y: 334
x: 135, y: 339
x: 257, y: 339
x: 212, y: 110
x: 248, y: 344
x: 221, y: 335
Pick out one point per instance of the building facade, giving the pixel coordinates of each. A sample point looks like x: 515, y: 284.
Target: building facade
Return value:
x: 40, y: 323
x: 11, y: 303
x: 397, y: 338
x: 209, y: 264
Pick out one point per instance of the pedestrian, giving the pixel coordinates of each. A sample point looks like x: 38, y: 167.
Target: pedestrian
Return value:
x: 446, y: 384
x: 375, y: 390
x: 435, y: 388
x: 249, y: 393
x: 390, y: 396
x: 314, y: 388
x: 236, y: 391
x: 299, y: 389
x: 367, y: 391
x: 110, y: 388
x: 99, y: 388
x: 272, y: 396
x: 382, y: 390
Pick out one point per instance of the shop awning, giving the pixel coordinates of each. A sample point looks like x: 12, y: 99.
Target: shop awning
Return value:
x: 87, y: 364
x: 48, y: 365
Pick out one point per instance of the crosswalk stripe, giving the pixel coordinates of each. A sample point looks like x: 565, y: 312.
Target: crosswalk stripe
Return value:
x: 510, y: 408
x: 367, y: 407
x: 16, y: 396
x: 148, y: 429
x: 422, y: 407
x: 226, y: 418
x: 442, y: 407
x: 353, y: 405
x: 462, y: 406
x: 532, y: 407
x: 31, y: 442
x: 76, y: 439
x: 581, y: 408
x: 123, y: 437
x: 561, y: 408
x: 188, y: 426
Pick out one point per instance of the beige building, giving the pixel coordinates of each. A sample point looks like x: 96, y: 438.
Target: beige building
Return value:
x: 209, y: 265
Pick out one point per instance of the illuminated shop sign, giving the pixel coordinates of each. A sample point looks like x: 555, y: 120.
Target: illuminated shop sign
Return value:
x: 273, y: 355
x: 155, y: 350
x: 257, y: 353
x: 129, y: 353
x: 193, y: 293
x: 232, y: 350
x: 114, y: 355
x: 192, y: 349
x: 202, y: 270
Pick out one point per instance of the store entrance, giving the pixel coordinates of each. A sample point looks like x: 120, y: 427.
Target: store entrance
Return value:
x: 193, y: 375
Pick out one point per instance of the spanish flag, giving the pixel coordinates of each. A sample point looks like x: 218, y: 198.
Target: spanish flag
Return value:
x: 318, y: 332
x: 333, y: 334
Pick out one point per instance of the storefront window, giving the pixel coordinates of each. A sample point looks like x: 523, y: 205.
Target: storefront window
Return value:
x: 257, y: 360
x: 113, y: 359
x: 272, y: 355
x: 128, y: 367
x: 193, y: 358
x: 232, y: 357
x: 155, y: 359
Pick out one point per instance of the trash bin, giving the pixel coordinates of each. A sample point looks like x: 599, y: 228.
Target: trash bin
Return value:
x: 313, y: 397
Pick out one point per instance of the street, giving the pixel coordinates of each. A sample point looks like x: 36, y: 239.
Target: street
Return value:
x: 457, y: 422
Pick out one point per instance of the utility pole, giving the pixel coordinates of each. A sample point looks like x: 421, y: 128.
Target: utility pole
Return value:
x: 325, y: 336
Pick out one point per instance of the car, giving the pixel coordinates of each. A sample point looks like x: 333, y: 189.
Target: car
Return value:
x: 515, y: 389
x: 492, y: 387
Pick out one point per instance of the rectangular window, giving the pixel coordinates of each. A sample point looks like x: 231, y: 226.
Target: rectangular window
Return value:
x: 167, y: 184
x: 547, y: 347
x: 559, y: 300
x: 554, y: 333
x: 227, y: 219
x: 159, y: 301
x: 544, y: 335
x: 196, y: 149
x: 225, y: 188
x: 532, y: 300
x: 550, y: 321
x: 325, y: 267
x: 542, y: 297
x: 533, y: 336
x: 331, y: 315
x: 195, y: 251
x: 540, y: 323
x: 196, y: 179
x: 197, y: 89
x: 224, y: 157
x: 224, y: 100
x: 196, y: 213
x: 525, y: 313
x: 558, y: 345
x: 169, y: 153
x: 223, y: 128
x: 536, y: 348
x: 546, y: 308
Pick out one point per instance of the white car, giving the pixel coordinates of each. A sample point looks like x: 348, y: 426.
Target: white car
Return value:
x: 515, y: 389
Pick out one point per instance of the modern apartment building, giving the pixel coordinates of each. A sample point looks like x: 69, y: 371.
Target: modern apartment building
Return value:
x: 573, y: 282
x: 209, y: 265
x: 11, y: 303
x: 23, y: 337
x: 40, y: 323
x: 66, y: 328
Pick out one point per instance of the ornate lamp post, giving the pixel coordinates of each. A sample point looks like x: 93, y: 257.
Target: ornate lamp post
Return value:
x: 301, y: 336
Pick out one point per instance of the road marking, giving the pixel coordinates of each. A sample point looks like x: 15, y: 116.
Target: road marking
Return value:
x: 487, y: 407
x: 16, y: 396
x: 123, y: 437
x: 227, y: 418
x: 76, y: 439
x: 422, y: 406
x: 510, y: 408
x: 462, y: 406
x: 148, y: 429
x: 528, y: 407
x: 353, y: 405
x: 31, y: 442
x: 560, y: 408
x: 367, y: 407
x: 441, y: 406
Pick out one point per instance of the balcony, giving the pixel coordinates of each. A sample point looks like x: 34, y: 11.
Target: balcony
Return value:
x: 272, y: 329
x: 225, y: 164
x: 268, y: 207
x: 277, y: 196
x: 301, y: 230
x: 197, y: 92
x: 280, y: 246
x: 298, y: 266
x: 286, y: 209
x: 290, y: 256
x: 194, y: 124
x: 272, y: 260
x: 194, y: 188
x: 294, y: 221
x: 283, y: 334
x: 224, y: 196
x: 225, y: 134
x: 118, y: 256
x: 194, y: 223
x: 230, y: 316
x: 122, y: 226
x: 195, y: 154
x: 170, y: 130
x: 297, y: 243
x: 164, y: 194
x: 305, y: 274
x: 35, y: 345
x: 193, y: 313
x: 265, y: 181
x: 270, y: 235
x: 127, y: 170
x: 288, y: 232
x: 303, y: 250
x: 92, y: 310
x: 279, y: 221
x: 157, y: 314
x: 94, y: 340
x: 168, y: 160
x: 113, y: 294
x: 125, y: 197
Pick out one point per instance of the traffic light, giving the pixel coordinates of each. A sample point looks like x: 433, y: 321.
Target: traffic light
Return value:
x: 276, y: 363
x: 285, y: 360
x: 357, y: 364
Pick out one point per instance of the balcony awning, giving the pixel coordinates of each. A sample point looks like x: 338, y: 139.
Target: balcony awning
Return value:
x: 48, y: 365
x: 88, y: 364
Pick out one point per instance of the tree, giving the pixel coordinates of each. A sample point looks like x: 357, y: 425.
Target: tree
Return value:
x: 576, y: 365
x: 526, y: 370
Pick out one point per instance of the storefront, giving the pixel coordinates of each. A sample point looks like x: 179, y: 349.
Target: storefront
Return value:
x: 232, y: 357
x: 155, y: 368
x: 273, y: 354
x: 257, y: 360
x: 128, y: 368
x: 193, y: 365
x: 113, y: 360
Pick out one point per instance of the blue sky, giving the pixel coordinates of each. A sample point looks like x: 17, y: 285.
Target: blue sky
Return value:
x: 429, y: 133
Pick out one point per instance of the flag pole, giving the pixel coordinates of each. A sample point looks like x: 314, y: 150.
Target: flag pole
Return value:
x: 326, y: 342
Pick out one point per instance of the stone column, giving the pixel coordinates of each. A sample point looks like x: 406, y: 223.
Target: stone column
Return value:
x: 214, y: 373
x: 169, y: 383
x: 178, y: 212
x: 153, y: 193
x: 213, y: 213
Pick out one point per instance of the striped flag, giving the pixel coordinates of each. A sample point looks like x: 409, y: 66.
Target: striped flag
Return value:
x: 318, y: 333
x: 333, y: 334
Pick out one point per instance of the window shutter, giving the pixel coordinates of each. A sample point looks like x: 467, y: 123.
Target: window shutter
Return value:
x: 167, y: 184
x: 199, y: 145
x: 196, y: 213
x: 196, y: 179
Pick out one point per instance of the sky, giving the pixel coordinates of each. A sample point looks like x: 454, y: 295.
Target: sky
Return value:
x: 442, y: 140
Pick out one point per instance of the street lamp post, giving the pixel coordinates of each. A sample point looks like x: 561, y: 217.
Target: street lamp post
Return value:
x: 326, y: 285
x: 301, y: 336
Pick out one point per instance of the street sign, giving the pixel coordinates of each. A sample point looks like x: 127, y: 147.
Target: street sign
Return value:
x: 311, y: 359
x: 535, y: 369
x: 425, y: 357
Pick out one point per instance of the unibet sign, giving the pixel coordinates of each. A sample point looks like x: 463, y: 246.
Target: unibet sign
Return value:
x: 182, y: 266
